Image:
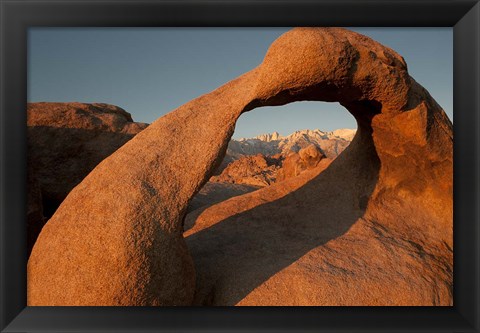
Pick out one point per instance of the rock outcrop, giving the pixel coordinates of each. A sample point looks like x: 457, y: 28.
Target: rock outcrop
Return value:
x: 215, y: 192
x: 65, y: 142
x: 257, y: 170
x: 250, y: 173
x: 296, y: 163
x: 382, y: 235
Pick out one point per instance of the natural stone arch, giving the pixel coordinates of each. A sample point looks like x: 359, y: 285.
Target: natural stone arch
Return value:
x: 117, y: 237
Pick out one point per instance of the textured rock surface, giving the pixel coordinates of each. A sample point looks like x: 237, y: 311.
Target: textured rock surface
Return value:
x: 250, y: 173
x: 117, y: 237
x: 296, y: 163
x: 256, y: 170
x: 215, y: 192
x: 67, y: 140
x: 383, y: 236
x: 310, y: 240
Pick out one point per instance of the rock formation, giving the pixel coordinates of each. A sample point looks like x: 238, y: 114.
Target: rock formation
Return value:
x: 382, y: 235
x: 65, y: 142
x: 250, y: 173
x: 215, y: 192
x: 257, y: 170
x: 296, y: 163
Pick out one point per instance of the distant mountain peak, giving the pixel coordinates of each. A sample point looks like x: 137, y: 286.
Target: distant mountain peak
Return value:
x: 331, y: 143
x: 342, y: 133
x: 269, y: 137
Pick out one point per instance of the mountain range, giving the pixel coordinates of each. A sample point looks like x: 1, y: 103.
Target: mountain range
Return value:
x: 331, y: 144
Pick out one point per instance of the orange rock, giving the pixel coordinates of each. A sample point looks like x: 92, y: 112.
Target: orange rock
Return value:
x: 65, y: 142
x: 257, y: 170
x: 378, y: 219
x: 296, y: 163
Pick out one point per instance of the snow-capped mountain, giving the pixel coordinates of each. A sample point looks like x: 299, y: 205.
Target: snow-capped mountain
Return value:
x: 344, y: 133
x: 331, y: 143
x: 269, y: 137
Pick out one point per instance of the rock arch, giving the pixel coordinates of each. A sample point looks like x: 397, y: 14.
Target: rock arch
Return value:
x: 117, y: 237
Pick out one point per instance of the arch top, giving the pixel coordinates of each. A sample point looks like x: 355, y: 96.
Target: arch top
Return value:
x: 332, y: 65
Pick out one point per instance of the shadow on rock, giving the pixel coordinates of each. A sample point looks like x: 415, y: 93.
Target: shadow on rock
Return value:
x: 239, y: 244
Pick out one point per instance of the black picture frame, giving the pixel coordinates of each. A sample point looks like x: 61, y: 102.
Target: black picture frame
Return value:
x: 18, y: 15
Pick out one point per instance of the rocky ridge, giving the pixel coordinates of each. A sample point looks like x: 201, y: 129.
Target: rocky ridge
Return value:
x: 65, y: 141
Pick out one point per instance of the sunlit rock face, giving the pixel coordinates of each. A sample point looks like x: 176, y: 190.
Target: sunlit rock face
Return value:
x: 374, y: 227
x: 296, y: 163
x: 255, y: 170
x: 65, y: 142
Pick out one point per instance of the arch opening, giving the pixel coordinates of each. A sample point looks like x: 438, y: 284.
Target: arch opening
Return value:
x: 274, y: 143
x: 271, y: 229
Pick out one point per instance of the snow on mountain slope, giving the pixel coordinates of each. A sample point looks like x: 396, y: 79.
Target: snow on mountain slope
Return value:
x: 331, y: 143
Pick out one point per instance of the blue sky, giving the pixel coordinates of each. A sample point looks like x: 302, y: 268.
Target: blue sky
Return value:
x: 152, y: 71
